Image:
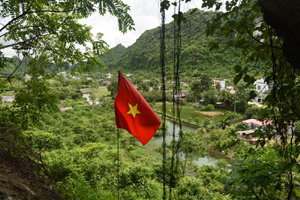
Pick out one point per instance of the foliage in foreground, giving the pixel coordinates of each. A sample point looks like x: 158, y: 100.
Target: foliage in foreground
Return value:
x: 80, y: 148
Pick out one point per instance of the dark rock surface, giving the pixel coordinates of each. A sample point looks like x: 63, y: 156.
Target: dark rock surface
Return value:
x: 284, y: 17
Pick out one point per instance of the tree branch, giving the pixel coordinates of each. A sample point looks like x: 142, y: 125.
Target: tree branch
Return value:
x: 18, y: 29
x: 23, y: 42
x: 8, y: 78
x: 260, y: 41
x: 14, y: 19
x: 56, y: 11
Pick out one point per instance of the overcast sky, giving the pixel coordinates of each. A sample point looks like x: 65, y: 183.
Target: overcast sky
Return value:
x: 145, y: 14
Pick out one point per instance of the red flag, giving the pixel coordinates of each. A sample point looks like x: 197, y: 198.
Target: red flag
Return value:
x: 133, y: 113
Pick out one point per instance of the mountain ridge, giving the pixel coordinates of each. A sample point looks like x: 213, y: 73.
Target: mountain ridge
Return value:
x: 195, y: 56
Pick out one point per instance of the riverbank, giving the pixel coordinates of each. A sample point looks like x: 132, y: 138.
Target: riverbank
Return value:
x: 183, y: 122
x: 213, y: 135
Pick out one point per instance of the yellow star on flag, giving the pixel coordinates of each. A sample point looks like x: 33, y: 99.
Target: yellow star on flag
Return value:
x: 133, y: 110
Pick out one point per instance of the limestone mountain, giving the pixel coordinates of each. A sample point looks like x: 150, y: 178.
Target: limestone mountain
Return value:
x: 195, y: 57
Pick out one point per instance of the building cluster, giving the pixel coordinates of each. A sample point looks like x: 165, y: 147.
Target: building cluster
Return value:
x: 254, y: 124
x: 261, y: 87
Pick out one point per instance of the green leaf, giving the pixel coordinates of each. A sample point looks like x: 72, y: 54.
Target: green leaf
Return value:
x: 247, y: 78
x: 193, y: 11
x: 236, y: 79
x: 237, y: 68
x: 252, y: 95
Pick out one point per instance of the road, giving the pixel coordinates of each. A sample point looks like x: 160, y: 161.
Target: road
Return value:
x: 92, y: 88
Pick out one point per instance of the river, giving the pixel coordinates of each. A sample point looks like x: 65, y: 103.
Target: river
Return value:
x: 208, y: 160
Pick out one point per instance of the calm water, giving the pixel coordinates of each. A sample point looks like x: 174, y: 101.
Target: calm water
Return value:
x: 201, y: 161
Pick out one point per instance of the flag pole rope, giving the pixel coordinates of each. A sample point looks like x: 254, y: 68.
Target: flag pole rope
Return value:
x: 118, y: 147
x: 162, y: 59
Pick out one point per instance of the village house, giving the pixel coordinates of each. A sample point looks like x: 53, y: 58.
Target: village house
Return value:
x: 105, y: 83
x: 27, y: 76
x: 109, y: 75
x: 221, y: 82
x: 63, y: 109
x: 62, y: 74
x: 181, y: 95
x: 255, y: 124
x: 229, y: 88
x: 184, y: 84
x: 7, y: 99
x: 261, y: 86
x: 246, y: 133
x: 260, y: 97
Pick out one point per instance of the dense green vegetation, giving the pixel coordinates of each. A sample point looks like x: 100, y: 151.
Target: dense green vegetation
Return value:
x: 80, y: 148
x: 79, y: 145
x: 144, y: 54
x: 196, y: 58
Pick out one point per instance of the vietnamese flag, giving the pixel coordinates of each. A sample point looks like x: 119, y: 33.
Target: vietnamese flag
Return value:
x: 133, y: 113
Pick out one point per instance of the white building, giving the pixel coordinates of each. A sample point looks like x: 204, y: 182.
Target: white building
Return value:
x: 109, y: 75
x: 261, y: 86
x: 7, y: 99
x: 222, y: 83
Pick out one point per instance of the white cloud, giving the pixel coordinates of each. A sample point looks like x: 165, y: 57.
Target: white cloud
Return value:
x: 145, y: 14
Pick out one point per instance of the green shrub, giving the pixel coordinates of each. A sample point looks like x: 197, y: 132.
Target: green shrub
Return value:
x: 209, y: 107
x: 197, y: 120
x: 203, y: 108
x: 42, y: 140
x: 221, y: 163
x: 80, y: 139
x: 230, y: 115
x: 77, y: 94
x: 252, y: 112
x: 242, y: 127
x: 206, y: 122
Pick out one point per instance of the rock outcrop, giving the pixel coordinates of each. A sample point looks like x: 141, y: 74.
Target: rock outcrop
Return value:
x: 22, y: 172
x: 284, y: 17
x: 13, y: 187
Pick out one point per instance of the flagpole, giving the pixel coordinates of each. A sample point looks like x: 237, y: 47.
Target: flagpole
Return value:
x: 118, y: 147
x: 128, y: 116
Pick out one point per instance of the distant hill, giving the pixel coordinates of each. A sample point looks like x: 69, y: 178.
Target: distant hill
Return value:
x: 196, y: 58
x: 144, y: 54
x: 15, y: 64
x: 117, y: 51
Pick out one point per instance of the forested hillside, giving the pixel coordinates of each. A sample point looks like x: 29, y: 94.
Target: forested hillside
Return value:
x: 116, y: 52
x: 196, y: 57
x: 14, y: 64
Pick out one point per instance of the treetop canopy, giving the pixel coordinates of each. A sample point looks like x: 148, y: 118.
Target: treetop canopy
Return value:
x: 49, y: 31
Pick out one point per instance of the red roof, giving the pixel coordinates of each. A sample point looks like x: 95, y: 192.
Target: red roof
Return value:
x: 253, y: 121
